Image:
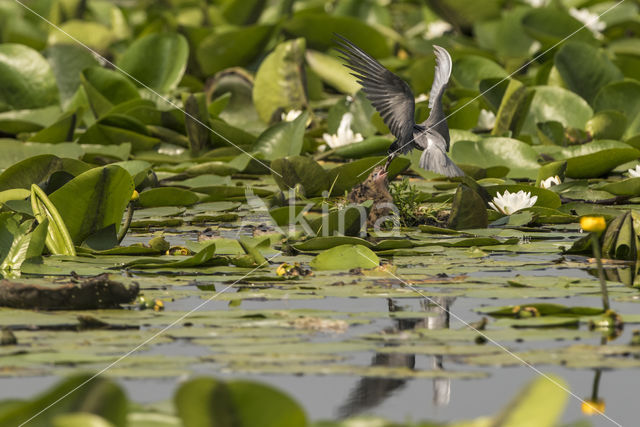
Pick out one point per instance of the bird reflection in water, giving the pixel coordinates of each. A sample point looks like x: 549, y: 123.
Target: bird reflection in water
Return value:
x: 370, y: 392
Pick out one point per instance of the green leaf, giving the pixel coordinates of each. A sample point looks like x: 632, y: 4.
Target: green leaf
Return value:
x: 504, y: 35
x: 291, y: 171
x: 233, y: 48
x: 80, y: 420
x: 58, y: 239
x: 99, y: 396
x: 196, y: 122
x: 558, y: 104
x: 205, y: 402
x: 627, y: 187
x: 93, y: 200
x: 117, y: 129
x: 15, y: 151
x: 345, y: 257
x: 93, y: 34
x: 600, y: 162
x: 27, y: 80
x: 551, y: 25
x: 282, y: 139
x: 67, y: 61
x: 513, y: 100
x: 62, y: 130
x: 463, y: 13
x: 468, y: 210
x: 332, y: 71
x: 607, y: 124
x: 318, y: 30
x: 585, y: 69
x: 518, y: 156
x: 469, y: 70
x: 156, y: 60
x: 106, y: 88
x: 16, y: 243
x: 327, y: 242
x: 372, y: 146
x: 540, y: 404
x: 624, y: 97
x: 167, y: 196
x: 205, y: 255
x: 32, y: 170
x: 279, y: 83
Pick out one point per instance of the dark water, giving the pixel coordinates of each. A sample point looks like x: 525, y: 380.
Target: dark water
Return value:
x: 330, y: 397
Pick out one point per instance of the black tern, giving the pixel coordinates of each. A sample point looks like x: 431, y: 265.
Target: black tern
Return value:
x: 393, y: 99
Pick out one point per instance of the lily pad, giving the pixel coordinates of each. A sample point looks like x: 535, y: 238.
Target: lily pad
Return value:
x: 345, y: 257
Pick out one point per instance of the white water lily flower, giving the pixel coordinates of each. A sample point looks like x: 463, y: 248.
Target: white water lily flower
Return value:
x: 509, y: 203
x: 536, y: 3
x: 634, y: 172
x: 590, y: 20
x: 345, y: 135
x: 486, y: 120
x: 290, y: 116
x: 552, y: 180
x: 437, y: 29
x: 421, y: 98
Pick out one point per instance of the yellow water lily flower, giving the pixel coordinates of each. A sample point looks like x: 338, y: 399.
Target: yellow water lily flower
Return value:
x: 593, y: 223
x: 591, y: 407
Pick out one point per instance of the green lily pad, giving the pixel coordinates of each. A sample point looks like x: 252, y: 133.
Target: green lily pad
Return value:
x: 28, y: 81
x: 517, y: 155
x: 167, y: 196
x: 558, y: 104
x: 156, y: 60
x: 585, y: 69
x: 624, y: 97
x: 345, y: 257
x: 282, y: 139
x: 279, y: 80
x: 205, y: 401
x: 93, y: 200
x: 232, y: 48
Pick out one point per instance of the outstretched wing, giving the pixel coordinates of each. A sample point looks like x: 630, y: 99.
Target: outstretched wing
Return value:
x: 388, y: 93
x: 442, y: 74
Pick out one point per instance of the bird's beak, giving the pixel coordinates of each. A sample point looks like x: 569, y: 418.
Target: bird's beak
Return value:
x: 386, y: 165
x: 382, y: 176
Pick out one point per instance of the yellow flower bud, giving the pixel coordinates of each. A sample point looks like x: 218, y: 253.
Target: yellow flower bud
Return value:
x: 135, y: 196
x: 593, y: 223
x: 590, y: 407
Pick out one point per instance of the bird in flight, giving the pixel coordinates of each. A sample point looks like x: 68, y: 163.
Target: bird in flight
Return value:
x: 393, y: 99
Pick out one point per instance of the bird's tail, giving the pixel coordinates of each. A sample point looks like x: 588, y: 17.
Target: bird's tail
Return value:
x: 437, y: 161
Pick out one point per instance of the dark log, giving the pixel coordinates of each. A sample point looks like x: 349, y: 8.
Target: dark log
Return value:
x: 93, y: 293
